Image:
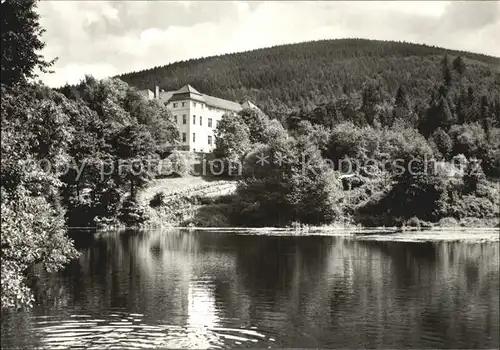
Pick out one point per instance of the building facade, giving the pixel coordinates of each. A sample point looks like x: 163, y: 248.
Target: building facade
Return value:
x: 196, y: 115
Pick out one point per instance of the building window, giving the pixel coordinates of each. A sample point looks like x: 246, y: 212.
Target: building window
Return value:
x: 183, y: 137
x: 209, y: 122
x: 183, y: 104
x: 202, y: 106
x: 194, y: 137
x: 201, y: 120
x: 194, y: 104
x: 194, y: 120
x: 184, y: 119
x: 175, y: 105
x: 210, y: 140
x: 175, y: 118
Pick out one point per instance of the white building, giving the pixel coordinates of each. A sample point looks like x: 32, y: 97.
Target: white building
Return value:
x: 196, y: 114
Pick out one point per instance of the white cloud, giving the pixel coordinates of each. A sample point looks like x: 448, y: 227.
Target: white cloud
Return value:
x: 110, y: 37
x: 73, y: 73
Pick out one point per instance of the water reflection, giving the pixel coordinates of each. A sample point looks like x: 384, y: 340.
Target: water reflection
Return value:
x: 212, y: 289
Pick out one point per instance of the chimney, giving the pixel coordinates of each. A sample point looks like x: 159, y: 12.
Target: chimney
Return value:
x: 157, y: 92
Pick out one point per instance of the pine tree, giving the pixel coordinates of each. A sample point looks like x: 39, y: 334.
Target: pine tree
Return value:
x: 444, y: 115
x: 371, y: 98
x: 446, y: 71
x: 401, y: 98
x: 484, y: 115
x: 461, y: 109
x: 437, y: 115
x: 459, y: 67
x: 497, y: 112
x: 472, y: 106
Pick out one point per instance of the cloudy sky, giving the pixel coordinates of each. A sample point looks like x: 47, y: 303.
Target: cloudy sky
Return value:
x: 105, y: 38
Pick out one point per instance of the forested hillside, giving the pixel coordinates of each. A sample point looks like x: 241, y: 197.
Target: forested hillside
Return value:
x: 291, y: 77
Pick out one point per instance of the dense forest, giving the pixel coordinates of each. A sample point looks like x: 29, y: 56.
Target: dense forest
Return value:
x: 302, y: 76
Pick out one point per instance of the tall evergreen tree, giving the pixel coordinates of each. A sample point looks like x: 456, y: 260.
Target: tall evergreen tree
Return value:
x: 497, y: 112
x: 401, y: 98
x: 446, y: 71
x: 438, y: 115
x: 371, y: 98
x: 459, y: 67
x: 472, y: 106
x: 485, y: 116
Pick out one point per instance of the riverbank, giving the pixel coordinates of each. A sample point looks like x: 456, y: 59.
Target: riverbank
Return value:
x: 333, y: 228
x: 385, y: 234
x: 203, y: 202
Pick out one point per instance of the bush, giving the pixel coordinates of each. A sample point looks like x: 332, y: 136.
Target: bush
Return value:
x: 413, y: 222
x: 473, y: 176
x: 214, y: 215
x: 421, y: 196
x: 417, y: 223
x: 104, y: 222
x: 472, y: 206
x: 179, y: 164
x: 353, y: 182
x: 131, y: 213
x: 158, y: 200
x: 448, y: 222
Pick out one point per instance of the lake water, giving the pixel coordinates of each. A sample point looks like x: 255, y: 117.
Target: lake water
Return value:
x: 201, y: 289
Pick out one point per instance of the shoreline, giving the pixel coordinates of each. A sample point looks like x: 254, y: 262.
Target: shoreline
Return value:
x: 328, y: 229
x: 392, y: 234
x: 296, y: 229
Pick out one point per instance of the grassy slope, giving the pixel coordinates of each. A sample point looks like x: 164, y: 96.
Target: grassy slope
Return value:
x: 183, y: 193
x: 188, y: 185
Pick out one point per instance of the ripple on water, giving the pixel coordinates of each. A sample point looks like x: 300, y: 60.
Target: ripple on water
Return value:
x: 131, y: 332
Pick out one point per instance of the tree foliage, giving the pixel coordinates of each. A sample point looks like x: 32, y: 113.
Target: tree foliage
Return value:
x: 292, y: 185
x: 71, y: 161
x: 35, y: 136
x: 21, y: 42
x: 232, y: 141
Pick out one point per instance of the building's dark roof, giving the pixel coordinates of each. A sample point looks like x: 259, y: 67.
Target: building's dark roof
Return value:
x: 221, y: 103
x: 187, y: 92
x: 187, y: 89
x: 165, y: 96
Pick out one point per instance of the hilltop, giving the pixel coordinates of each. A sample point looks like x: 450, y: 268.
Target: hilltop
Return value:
x: 304, y: 75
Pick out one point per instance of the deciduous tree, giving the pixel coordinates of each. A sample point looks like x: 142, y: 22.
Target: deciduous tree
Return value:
x: 21, y: 42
